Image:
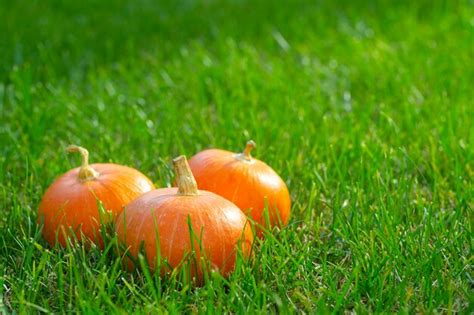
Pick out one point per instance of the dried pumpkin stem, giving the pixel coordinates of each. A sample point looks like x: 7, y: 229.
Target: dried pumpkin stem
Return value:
x: 184, y: 177
x: 248, y: 148
x: 246, y: 156
x: 86, y: 172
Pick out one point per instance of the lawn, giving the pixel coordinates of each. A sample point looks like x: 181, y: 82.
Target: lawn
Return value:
x: 364, y: 109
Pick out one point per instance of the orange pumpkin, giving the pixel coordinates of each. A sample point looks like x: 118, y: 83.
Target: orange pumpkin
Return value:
x: 168, y: 219
x: 70, y: 204
x: 249, y: 183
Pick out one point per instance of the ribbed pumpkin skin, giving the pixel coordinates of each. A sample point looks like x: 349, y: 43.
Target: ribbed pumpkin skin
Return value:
x: 162, y: 215
x: 251, y: 185
x: 72, y: 203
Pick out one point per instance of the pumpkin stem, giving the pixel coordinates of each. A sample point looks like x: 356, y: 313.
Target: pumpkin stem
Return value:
x: 184, y: 177
x: 245, y: 156
x: 248, y: 148
x: 86, y: 172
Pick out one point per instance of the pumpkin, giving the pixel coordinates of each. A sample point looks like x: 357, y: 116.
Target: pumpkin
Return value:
x: 70, y: 206
x: 248, y: 182
x: 173, y: 224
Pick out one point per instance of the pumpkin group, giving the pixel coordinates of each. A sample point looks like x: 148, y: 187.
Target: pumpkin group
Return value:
x: 70, y: 206
x: 175, y: 227
x: 248, y: 182
x: 173, y: 224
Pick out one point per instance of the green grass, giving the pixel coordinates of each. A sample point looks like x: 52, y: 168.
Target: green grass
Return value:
x: 366, y: 111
